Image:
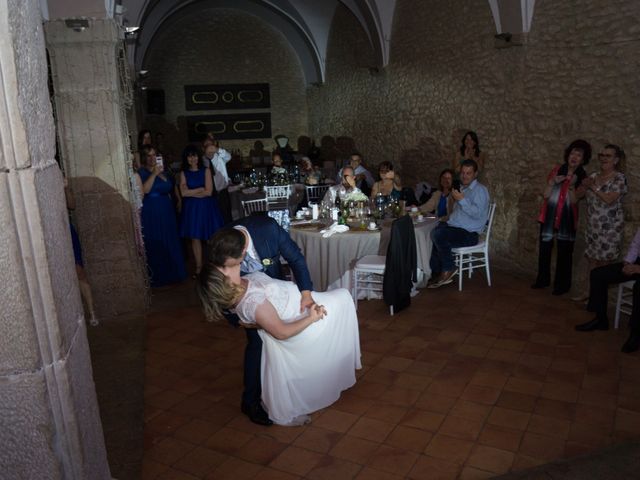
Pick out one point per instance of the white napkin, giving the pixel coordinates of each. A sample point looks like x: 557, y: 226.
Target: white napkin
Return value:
x: 334, y: 228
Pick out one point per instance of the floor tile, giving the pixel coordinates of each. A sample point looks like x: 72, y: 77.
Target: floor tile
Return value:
x: 491, y: 459
x: 505, y: 417
x: 369, y: 473
x: 541, y: 446
x: 501, y: 437
x: 200, y: 461
x: 459, y: 427
x: 386, y: 412
x: 423, y: 420
x: 317, y: 439
x: 552, y: 427
x: 296, y: 460
x: 409, y: 438
x: 427, y: 467
x: 354, y: 449
x: 335, y: 420
x: 449, y: 448
x: 371, y: 429
x: 228, y: 440
x: 332, y: 468
x: 260, y: 450
x: 481, y: 394
x: 393, y: 460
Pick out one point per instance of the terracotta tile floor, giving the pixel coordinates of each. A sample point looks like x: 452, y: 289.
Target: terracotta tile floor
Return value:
x: 461, y: 385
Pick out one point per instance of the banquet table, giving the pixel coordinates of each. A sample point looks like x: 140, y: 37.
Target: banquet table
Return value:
x: 238, y: 194
x: 331, y: 260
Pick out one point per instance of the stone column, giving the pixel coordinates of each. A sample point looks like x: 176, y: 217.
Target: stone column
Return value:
x: 91, y: 99
x: 49, y: 420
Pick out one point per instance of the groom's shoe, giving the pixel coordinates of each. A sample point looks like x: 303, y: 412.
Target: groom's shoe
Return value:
x: 256, y: 414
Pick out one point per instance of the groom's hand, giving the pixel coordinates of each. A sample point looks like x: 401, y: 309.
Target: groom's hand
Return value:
x: 306, y: 301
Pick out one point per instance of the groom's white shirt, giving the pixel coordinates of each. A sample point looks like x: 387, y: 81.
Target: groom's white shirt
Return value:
x: 251, y: 250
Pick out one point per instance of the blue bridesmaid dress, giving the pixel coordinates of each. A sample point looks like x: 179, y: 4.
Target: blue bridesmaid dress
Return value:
x: 200, y: 217
x: 165, y: 262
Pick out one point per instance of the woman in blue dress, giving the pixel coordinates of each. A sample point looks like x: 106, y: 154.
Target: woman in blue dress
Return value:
x: 165, y: 262
x: 200, y: 216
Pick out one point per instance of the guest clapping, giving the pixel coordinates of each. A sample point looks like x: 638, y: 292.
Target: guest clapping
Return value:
x: 441, y: 200
x: 165, y: 263
x: 200, y: 214
x: 605, y: 217
x: 559, y: 217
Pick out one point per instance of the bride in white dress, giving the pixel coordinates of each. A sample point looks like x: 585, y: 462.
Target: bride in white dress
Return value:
x: 307, y: 358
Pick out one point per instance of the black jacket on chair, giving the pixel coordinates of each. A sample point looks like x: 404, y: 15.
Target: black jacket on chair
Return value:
x: 400, y: 265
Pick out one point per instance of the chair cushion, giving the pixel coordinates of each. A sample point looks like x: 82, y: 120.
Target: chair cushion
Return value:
x: 478, y: 247
x: 372, y: 262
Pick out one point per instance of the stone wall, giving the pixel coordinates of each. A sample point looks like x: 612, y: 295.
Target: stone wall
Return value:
x: 94, y: 152
x: 220, y: 46
x: 575, y: 77
x: 49, y: 420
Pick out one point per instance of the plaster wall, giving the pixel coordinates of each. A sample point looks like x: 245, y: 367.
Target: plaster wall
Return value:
x: 575, y: 77
x: 224, y: 46
x: 49, y: 422
x: 94, y: 150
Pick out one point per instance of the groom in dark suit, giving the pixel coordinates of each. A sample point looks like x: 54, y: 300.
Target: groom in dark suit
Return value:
x: 259, y: 247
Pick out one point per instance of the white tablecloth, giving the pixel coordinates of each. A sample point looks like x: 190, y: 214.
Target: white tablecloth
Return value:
x: 332, y: 259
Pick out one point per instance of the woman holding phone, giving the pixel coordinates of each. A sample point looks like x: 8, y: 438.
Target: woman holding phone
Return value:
x: 165, y: 263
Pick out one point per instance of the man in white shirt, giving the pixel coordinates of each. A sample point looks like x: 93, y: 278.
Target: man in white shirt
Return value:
x: 218, y: 158
x: 364, y: 179
x: 347, y: 186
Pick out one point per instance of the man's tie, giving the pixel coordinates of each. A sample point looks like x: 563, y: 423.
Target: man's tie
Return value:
x: 250, y: 264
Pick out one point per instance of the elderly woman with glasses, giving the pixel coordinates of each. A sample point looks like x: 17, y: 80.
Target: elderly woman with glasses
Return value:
x: 604, y: 191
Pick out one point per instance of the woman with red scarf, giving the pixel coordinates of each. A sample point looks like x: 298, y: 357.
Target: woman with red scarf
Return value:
x: 559, y: 217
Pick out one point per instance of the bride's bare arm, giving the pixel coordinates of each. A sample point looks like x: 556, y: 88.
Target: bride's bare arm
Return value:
x: 268, y: 319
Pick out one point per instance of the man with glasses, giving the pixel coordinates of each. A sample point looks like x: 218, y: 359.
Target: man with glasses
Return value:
x: 346, y: 186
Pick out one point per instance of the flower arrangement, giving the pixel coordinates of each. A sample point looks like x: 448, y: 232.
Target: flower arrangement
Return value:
x: 356, y: 197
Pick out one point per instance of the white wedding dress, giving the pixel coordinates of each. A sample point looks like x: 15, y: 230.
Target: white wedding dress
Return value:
x: 306, y: 372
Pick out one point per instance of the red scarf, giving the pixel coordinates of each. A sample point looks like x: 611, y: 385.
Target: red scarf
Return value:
x: 564, y: 191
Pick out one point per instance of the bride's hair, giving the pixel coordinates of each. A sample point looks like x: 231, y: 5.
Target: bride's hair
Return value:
x: 216, y: 292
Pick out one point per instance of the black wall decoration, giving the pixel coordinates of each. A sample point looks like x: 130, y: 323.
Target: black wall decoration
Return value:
x: 227, y: 97
x: 229, y: 126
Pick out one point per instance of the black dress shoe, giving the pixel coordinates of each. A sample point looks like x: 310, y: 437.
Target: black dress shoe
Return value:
x: 256, y: 414
x: 539, y: 285
x: 632, y: 344
x: 595, y: 324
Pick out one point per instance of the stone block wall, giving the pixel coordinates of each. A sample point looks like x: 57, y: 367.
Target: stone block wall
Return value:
x: 49, y: 421
x: 218, y: 46
x: 95, y: 156
x: 575, y: 77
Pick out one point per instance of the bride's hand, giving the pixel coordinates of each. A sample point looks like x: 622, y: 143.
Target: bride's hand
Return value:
x: 316, y: 312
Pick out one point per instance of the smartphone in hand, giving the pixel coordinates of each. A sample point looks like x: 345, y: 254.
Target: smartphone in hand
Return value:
x: 455, y: 185
x: 159, y: 162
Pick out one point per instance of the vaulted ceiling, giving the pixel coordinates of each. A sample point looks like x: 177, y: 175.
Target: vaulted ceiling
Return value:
x: 305, y: 23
